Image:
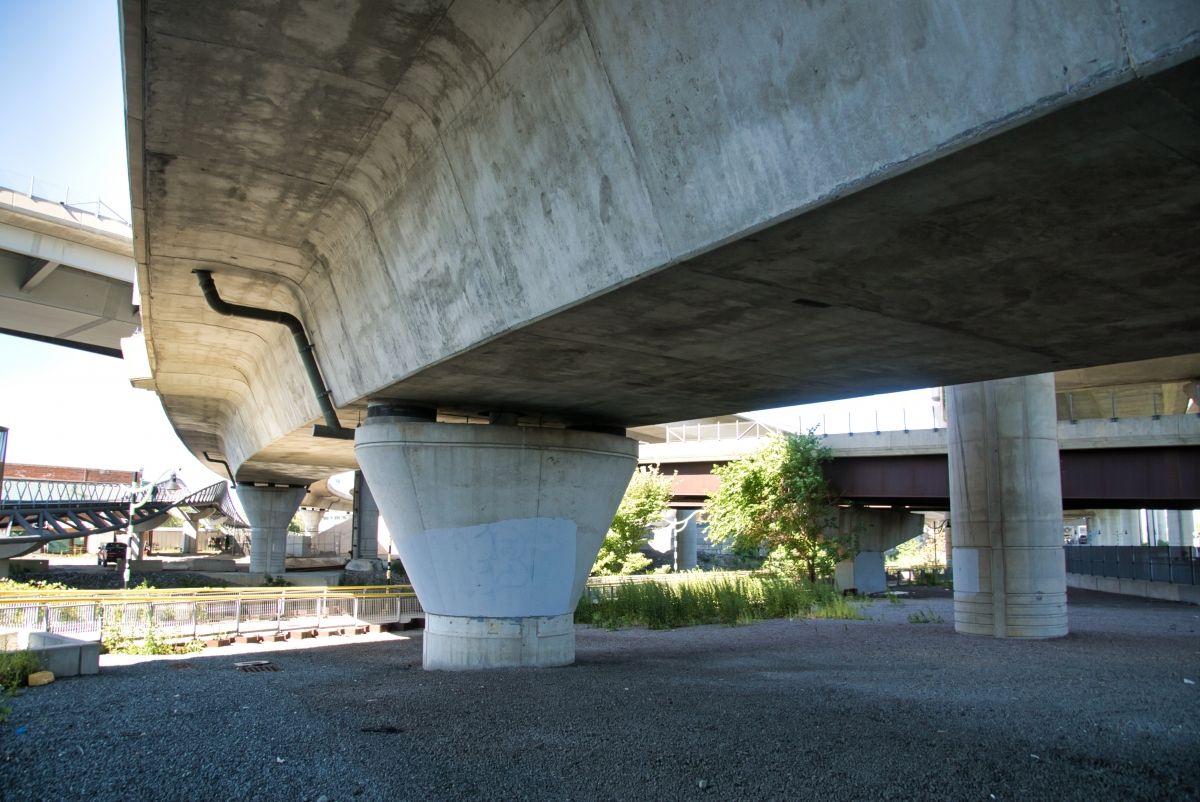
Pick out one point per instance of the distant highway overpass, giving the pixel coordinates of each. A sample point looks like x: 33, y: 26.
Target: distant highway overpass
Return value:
x: 66, y: 276
x: 1132, y: 464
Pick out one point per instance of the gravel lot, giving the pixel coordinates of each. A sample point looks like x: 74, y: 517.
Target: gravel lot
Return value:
x: 829, y: 710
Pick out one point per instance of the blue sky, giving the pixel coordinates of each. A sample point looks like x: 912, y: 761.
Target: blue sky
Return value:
x: 63, y: 99
x: 65, y: 126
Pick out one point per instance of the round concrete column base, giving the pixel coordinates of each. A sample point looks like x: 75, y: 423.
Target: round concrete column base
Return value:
x: 455, y: 643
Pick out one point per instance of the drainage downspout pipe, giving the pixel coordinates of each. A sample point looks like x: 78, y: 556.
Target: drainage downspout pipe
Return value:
x: 333, y: 427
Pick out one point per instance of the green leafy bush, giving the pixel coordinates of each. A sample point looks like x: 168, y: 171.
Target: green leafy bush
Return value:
x: 777, y: 499
x: 644, y: 502
x: 15, y: 668
x: 112, y: 641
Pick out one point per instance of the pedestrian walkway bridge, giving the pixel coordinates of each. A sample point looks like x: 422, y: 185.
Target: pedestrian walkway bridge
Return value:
x: 42, y: 511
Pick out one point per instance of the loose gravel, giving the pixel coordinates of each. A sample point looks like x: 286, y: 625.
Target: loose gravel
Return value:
x: 797, y: 710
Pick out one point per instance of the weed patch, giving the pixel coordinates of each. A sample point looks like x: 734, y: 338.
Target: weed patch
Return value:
x: 113, y: 642
x: 666, y: 605
x: 15, y: 668
x: 925, y: 617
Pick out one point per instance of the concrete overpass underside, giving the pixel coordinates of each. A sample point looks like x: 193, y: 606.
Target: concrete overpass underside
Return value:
x: 582, y: 213
x: 586, y: 215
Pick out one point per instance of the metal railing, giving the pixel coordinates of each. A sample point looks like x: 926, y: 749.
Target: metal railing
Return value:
x: 1179, y: 565
x: 729, y: 430
x: 205, y: 613
x: 1117, y: 403
x: 41, y: 189
x: 40, y: 490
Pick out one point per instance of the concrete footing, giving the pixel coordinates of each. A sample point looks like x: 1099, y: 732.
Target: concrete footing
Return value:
x: 498, y: 527
x: 457, y: 642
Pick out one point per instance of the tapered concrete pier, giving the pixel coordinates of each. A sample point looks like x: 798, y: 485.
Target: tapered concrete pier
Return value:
x: 498, y: 527
x: 269, y: 509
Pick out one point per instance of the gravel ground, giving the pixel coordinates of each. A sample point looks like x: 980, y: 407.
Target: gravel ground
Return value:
x: 828, y: 710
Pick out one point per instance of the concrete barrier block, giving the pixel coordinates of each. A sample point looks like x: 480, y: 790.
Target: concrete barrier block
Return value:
x: 66, y: 657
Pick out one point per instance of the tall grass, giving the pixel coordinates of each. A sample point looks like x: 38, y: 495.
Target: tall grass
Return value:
x: 665, y: 605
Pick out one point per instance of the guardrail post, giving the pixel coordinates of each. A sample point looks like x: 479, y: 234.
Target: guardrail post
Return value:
x: 354, y: 608
x: 46, y: 617
x: 279, y: 608
x: 321, y: 605
x: 237, y: 615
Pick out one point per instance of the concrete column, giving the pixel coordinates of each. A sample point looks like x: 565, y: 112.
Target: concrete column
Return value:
x: 1180, y: 526
x: 1156, y: 527
x: 269, y: 510
x: 497, y: 526
x: 685, y: 541
x: 311, y: 518
x: 1006, y: 507
x: 1112, y: 524
x: 875, y: 531
x: 191, y: 533
x: 364, y: 543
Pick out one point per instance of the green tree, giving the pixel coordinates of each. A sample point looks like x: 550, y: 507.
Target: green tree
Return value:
x: 296, y: 525
x: 645, y: 501
x: 777, y: 499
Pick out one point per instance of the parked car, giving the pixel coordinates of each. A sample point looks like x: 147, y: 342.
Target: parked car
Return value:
x: 111, y: 553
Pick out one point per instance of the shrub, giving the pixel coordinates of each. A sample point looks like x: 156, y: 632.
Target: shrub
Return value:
x: 15, y: 668
x: 113, y: 642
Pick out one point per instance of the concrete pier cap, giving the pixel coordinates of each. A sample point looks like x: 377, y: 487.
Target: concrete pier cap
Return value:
x: 498, y: 527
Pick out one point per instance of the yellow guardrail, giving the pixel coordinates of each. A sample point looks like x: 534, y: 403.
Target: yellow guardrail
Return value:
x: 135, y: 595
x: 192, y: 613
